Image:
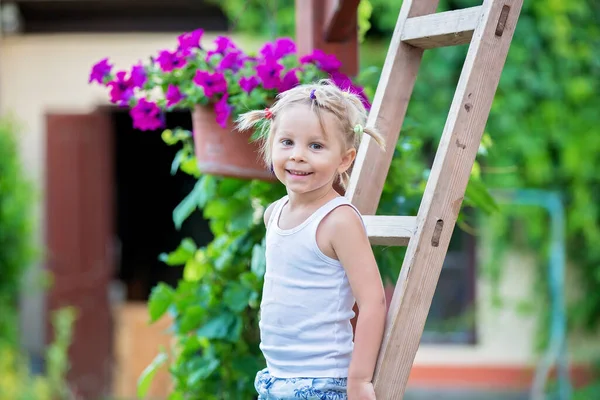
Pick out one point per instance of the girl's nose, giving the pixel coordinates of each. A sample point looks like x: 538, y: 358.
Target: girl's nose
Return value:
x: 297, y: 155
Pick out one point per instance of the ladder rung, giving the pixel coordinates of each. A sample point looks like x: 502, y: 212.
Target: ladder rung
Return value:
x: 449, y: 28
x: 390, y: 230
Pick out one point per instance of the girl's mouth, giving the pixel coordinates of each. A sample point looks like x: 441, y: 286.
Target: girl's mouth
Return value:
x: 297, y: 173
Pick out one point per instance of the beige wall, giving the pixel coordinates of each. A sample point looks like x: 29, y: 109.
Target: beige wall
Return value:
x: 50, y: 73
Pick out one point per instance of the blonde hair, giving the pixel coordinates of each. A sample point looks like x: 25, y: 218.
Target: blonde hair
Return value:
x: 346, y: 107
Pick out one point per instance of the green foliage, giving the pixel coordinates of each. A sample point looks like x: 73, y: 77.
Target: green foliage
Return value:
x: 542, y: 125
x: 215, y: 306
x: 16, y: 229
x: 250, y: 16
x: 17, y: 383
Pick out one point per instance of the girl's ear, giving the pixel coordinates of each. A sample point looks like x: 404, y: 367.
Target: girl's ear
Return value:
x: 347, y: 160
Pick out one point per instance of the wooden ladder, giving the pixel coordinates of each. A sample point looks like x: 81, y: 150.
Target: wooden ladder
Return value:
x: 489, y: 29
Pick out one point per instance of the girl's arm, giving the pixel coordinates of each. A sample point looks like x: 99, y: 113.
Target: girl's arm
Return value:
x: 352, y: 248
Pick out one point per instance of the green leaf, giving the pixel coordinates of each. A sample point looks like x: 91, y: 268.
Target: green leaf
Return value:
x: 204, y: 189
x: 218, y: 327
x: 161, y: 298
x: 208, y: 189
x: 179, y: 156
x: 188, y: 205
x: 191, y: 319
x: 480, y: 197
x: 185, y: 251
x: 145, y: 379
x: 242, y: 220
x: 236, y: 296
x: 196, y: 267
x: 168, y: 137
x: 190, y: 167
x: 203, y: 371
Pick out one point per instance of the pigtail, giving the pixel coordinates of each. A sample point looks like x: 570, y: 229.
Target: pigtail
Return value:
x: 261, y: 121
x: 344, y: 179
x: 250, y: 119
x: 375, y: 135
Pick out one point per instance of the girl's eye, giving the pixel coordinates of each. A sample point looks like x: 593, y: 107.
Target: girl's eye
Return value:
x: 286, y: 142
x: 316, y: 146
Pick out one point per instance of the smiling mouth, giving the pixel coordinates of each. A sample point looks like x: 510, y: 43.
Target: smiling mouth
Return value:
x: 297, y: 173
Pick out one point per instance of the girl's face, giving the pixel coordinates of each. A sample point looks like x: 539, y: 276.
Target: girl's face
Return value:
x: 304, y: 158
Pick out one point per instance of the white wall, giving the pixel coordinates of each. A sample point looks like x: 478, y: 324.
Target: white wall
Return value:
x: 504, y: 336
x: 40, y: 74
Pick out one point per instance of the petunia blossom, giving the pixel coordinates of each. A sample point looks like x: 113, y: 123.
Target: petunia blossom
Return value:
x: 173, y: 95
x: 211, y: 83
x: 290, y: 79
x: 269, y: 73
x: 326, y: 62
x: 138, y: 76
x: 223, y: 111
x: 224, y: 45
x: 345, y: 83
x: 169, y: 61
x: 279, y: 49
x: 100, y: 70
x: 233, y: 61
x: 248, y: 83
x: 146, y: 116
x: 121, y: 89
x: 189, y: 41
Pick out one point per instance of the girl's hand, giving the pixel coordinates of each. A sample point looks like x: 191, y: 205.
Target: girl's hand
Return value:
x: 360, y: 390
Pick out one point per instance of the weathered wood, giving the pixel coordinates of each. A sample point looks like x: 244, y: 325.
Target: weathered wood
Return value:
x: 390, y: 230
x: 443, y: 195
x: 448, y: 28
x: 337, y: 14
x: 310, y: 35
x: 387, y: 112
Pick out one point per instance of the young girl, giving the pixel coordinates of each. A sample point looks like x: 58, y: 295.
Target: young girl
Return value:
x: 318, y: 257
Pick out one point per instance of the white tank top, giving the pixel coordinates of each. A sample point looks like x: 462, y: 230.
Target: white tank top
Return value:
x: 307, y: 302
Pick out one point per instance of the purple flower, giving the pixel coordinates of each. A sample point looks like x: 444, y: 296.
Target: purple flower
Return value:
x: 168, y: 61
x: 189, y: 41
x: 248, y: 83
x: 270, y: 73
x: 211, y: 83
x: 223, y: 110
x: 232, y: 60
x: 146, y: 116
x: 327, y: 62
x: 100, y: 71
x: 224, y: 45
x: 290, y: 79
x: 138, y: 76
x: 345, y: 83
x: 173, y: 95
x: 121, y: 89
x: 281, y: 48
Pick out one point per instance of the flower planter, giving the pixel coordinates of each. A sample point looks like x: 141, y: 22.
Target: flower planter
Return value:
x: 226, y: 151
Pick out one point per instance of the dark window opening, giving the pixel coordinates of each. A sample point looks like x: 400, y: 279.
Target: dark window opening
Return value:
x: 116, y: 16
x: 146, y: 194
x: 451, y: 317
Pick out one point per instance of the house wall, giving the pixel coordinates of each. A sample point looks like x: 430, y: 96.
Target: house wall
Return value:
x: 40, y: 74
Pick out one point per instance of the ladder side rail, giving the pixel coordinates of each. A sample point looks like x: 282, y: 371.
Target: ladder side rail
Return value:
x: 443, y: 195
x: 387, y: 112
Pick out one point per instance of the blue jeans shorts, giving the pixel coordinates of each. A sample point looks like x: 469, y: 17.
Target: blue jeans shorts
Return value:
x: 271, y: 388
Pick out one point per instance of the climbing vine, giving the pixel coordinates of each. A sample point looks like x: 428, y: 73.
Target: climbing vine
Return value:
x: 543, y: 129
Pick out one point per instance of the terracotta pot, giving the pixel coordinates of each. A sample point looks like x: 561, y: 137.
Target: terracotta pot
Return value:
x: 226, y: 151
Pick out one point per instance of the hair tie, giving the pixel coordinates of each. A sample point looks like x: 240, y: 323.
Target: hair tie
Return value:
x: 268, y: 113
x: 312, y: 94
x: 358, y: 129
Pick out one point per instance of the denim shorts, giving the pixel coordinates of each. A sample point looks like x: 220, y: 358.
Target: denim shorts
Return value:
x: 271, y: 388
